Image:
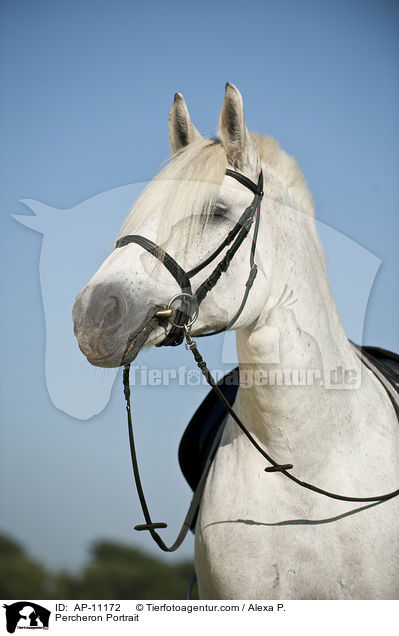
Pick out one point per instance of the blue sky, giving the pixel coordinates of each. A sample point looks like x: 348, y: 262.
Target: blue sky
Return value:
x: 86, y: 90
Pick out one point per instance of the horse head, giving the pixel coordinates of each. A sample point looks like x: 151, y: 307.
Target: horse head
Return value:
x: 186, y: 212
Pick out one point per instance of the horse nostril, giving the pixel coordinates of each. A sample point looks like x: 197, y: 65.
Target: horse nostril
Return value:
x: 112, y: 312
x: 98, y: 309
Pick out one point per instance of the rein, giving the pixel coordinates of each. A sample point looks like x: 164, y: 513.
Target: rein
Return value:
x: 183, y: 320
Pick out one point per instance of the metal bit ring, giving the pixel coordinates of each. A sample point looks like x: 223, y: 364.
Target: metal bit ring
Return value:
x: 194, y: 316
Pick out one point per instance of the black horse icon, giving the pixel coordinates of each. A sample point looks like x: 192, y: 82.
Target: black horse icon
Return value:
x: 26, y: 610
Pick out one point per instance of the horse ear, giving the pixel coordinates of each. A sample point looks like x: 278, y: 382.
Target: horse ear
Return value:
x: 232, y: 129
x: 181, y: 129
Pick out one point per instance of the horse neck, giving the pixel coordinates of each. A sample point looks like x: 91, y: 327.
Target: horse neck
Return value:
x: 290, y: 344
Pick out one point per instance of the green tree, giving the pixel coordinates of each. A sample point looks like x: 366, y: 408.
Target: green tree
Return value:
x: 21, y: 576
x: 114, y: 571
x: 122, y: 572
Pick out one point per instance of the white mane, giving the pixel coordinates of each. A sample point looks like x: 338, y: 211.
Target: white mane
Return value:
x: 286, y: 169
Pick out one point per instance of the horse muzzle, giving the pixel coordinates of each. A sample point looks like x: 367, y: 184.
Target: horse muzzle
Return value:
x: 108, y: 329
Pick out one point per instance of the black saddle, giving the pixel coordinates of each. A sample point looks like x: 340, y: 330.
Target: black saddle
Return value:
x: 386, y: 361
x: 197, y: 440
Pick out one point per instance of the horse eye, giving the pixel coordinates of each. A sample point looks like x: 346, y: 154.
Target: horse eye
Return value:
x: 218, y: 211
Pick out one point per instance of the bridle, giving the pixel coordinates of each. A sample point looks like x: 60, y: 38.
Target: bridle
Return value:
x: 191, y: 301
x: 183, y: 319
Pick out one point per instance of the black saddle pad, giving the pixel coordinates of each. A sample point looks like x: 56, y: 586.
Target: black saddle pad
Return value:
x: 203, y: 427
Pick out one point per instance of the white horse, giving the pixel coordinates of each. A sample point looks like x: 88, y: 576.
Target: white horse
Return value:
x: 258, y: 534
